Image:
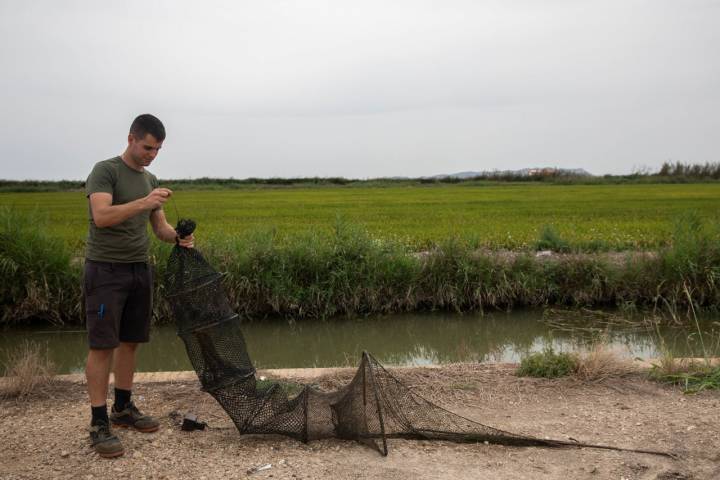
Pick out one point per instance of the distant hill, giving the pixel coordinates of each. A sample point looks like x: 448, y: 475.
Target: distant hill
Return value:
x: 524, y: 172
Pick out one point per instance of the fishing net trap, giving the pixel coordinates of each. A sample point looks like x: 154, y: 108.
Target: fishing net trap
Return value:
x: 373, y: 407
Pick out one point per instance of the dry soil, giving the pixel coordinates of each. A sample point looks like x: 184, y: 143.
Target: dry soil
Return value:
x: 46, y: 437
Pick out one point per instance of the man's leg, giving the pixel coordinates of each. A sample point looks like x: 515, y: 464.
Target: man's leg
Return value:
x: 97, y: 372
x: 104, y: 290
x: 125, y: 365
x: 134, y: 329
x: 124, y: 372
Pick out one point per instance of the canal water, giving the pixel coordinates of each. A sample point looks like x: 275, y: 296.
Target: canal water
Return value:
x: 398, y: 339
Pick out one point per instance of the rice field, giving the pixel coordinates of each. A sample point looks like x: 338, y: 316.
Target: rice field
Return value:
x: 588, y: 217
x: 319, y: 253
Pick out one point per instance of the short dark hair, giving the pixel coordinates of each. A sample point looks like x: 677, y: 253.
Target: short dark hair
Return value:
x: 145, y: 124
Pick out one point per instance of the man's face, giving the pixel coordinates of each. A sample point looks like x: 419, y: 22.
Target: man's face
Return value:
x: 143, y: 151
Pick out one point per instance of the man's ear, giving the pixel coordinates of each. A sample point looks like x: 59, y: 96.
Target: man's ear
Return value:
x: 131, y: 138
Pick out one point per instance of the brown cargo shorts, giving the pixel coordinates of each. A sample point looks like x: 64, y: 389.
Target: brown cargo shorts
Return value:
x: 118, y: 302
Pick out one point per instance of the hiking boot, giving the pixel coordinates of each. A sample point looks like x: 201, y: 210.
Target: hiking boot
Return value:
x: 131, y: 417
x: 105, y: 443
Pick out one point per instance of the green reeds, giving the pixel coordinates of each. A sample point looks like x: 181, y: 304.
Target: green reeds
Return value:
x: 695, y: 380
x: 692, y: 374
x: 316, y: 275
x: 348, y: 271
x: 38, y: 277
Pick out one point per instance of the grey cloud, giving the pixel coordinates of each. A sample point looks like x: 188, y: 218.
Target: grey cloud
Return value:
x: 360, y: 89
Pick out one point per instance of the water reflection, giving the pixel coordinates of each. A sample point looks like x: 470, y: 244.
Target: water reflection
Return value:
x: 408, y: 339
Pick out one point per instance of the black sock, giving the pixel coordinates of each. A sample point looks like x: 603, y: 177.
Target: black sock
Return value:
x: 99, y: 414
x: 122, y: 398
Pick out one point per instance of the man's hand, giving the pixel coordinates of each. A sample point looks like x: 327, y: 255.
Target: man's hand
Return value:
x: 157, y: 198
x: 165, y: 232
x: 187, y: 242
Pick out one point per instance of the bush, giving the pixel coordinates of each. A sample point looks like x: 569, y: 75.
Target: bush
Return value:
x: 550, y: 240
x: 28, y: 370
x: 547, y: 364
x: 601, y: 363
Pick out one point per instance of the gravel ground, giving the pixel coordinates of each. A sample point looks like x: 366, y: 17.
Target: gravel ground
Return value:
x: 47, y: 437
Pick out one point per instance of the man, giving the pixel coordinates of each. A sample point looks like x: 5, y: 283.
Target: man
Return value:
x: 118, y: 281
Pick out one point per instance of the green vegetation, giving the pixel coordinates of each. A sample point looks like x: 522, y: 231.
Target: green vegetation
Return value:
x: 692, y: 374
x: 37, y: 274
x: 689, y: 171
x: 596, y: 365
x: 322, y: 252
x: 547, y: 364
x: 550, y: 240
x: 699, y: 372
x: 586, y: 217
x: 677, y: 172
x: 693, y: 379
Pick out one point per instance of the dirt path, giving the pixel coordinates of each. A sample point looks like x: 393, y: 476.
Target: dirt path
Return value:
x: 47, y: 438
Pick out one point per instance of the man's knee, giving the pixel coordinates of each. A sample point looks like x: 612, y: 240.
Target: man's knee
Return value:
x: 98, y: 360
x: 131, y: 346
x: 100, y: 353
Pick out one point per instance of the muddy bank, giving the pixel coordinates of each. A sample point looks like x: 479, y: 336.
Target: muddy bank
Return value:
x: 47, y: 438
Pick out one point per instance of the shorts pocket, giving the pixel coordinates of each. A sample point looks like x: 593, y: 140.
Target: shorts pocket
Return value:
x: 98, y: 275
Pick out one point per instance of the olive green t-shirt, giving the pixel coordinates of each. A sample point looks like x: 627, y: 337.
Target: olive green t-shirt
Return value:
x: 127, y: 241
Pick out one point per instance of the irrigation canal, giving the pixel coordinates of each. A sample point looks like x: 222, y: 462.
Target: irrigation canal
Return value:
x: 406, y: 339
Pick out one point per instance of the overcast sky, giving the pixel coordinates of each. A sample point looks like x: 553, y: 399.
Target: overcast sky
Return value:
x: 360, y: 88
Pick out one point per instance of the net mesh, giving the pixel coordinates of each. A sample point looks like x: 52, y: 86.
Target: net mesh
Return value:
x: 374, y: 406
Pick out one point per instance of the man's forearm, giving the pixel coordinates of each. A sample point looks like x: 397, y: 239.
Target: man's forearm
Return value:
x: 111, y: 215
x: 166, y: 233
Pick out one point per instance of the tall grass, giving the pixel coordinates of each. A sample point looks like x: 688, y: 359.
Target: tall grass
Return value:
x: 690, y: 267
x: 316, y: 275
x: 28, y: 369
x: 348, y: 270
x: 699, y: 372
x: 38, y: 278
x: 550, y: 240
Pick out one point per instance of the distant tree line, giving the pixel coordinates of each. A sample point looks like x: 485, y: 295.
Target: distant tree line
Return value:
x: 262, y: 181
x: 695, y: 170
x: 534, y: 175
x: 40, y: 185
x: 669, y: 172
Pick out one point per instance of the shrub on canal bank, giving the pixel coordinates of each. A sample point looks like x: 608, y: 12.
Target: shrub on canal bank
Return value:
x: 316, y: 275
x: 547, y: 364
x: 596, y: 365
x: 28, y: 369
